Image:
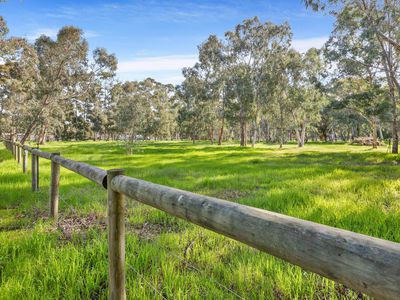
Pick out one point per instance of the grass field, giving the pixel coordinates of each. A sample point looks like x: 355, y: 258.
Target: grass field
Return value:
x: 350, y: 187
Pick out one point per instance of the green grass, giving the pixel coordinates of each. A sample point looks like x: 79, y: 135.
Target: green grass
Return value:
x: 350, y: 187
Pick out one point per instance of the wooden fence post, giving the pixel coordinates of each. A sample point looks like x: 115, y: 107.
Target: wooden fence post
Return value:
x: 25, y: 161
x: 54, y: 187
x: 34, y: 171
x: 116, y: 239
x: 37, y: 171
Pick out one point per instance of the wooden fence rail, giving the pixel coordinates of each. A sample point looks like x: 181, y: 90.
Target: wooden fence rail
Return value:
x: 364, y: 263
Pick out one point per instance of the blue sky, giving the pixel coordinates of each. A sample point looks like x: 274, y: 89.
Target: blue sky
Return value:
x: 157, y: 38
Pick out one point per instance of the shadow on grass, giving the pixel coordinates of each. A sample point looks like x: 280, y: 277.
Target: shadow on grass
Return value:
x: 284, y: 182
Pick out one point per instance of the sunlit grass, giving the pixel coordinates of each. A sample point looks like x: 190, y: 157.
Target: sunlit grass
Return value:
x: 345, y: 186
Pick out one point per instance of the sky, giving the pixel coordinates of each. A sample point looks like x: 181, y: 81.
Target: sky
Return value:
x: 158, y: 38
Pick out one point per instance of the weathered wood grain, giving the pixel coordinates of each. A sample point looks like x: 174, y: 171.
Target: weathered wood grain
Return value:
x: 90, y: 172
x: 361, y: 262
x: 24, y: 161
x: 34, y: 172
x: 54, y: 187
x: 40, y: 153
x: 18, y: 153
x: 116, y: 240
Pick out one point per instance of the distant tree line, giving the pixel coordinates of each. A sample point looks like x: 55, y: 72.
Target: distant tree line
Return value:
x: 249, y: 85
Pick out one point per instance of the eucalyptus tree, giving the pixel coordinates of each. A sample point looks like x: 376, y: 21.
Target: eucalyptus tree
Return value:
x: 306, y: 93
x: 18, y: 74
x: 252, y: 48
x: 144, y: 109
x: 159, y: 99
x: 61, y: 66
x: 101, y: 80
x: 368, y: 100
x: 130, y: 109
x: 366, y: 28
x: 212, y: 62
x: 196, y: 113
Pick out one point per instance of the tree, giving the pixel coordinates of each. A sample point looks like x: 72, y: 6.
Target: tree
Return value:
x: 61, y: 67
x: 251, y: 48
x: 367, y: 99
x: 144, y: 109
x: 18, y: 78
x: 211, y: 62
x: 197, y: 111
x: 307, y: 97
x: 369, y: 27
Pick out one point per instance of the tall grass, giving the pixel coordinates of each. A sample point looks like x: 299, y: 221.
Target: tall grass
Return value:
x: 349, y: 187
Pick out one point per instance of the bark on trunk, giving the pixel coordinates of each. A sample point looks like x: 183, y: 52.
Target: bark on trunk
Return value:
x: 243, y: 128
x: 380, y: 131
x: 243, y: 134
x: 302, y: 135
x: 281, y: 134
x: 28, y: 132
x: 254, y: 134
x: 395, y: 134
x: 221, y: 132
x: 42, y: 135
x: 387, y: 60
x: 374, y: 133
x: 267, y: 133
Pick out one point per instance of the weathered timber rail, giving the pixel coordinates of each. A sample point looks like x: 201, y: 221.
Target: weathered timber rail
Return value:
x: 364, y: 263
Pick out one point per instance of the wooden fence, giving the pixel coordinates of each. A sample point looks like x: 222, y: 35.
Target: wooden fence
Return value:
x: 364, y: 263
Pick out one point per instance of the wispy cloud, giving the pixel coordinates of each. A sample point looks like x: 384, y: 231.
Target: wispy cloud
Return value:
x: 90, y: 34
x: 166, y: 69
x: 302, y: 45
x: 52, y: 32
x: 157, y: 63
x: 139, y: 11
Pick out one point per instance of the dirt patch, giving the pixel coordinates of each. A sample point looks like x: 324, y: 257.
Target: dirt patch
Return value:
x: 73, y: 224
x: 278, y: 294
x: 347, y: 292
x: 34, y: 214
x: 149, y: 231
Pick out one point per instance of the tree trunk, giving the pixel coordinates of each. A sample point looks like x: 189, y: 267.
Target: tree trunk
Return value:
x: 212, y: 136
x: 395, y: 134
x: 374, y: 133
x: 243, y: 134
x: 302, y: 135
x: 281, y: 137
x: 387, y: 60
x: 221, y: 132
x: 28, y: 132
x: 267, y: 132
x: 42, y: 135
x: 380, y: 131
x: 297, y: 130
x: 254, y: 134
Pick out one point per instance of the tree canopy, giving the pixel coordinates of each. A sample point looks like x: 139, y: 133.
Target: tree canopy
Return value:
x: 249, y: 84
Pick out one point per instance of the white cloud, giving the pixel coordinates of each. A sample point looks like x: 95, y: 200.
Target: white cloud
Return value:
x: 302, y: 45
x: 52, y: 32
x: 90, y: 34
x: 157, y: 63
x: 166, y: 69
